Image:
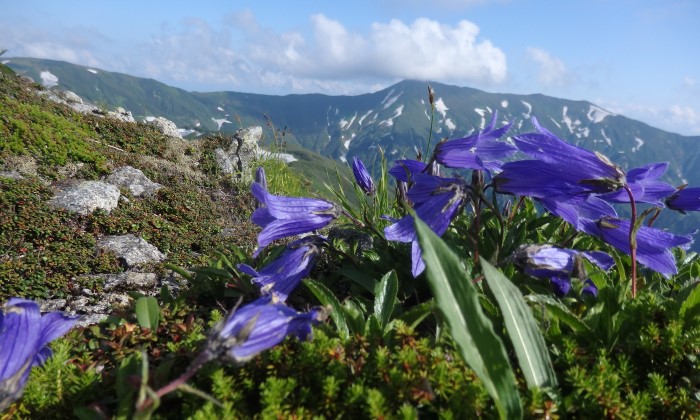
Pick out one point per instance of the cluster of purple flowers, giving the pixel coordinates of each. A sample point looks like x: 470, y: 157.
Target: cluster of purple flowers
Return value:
x: 573, y: 183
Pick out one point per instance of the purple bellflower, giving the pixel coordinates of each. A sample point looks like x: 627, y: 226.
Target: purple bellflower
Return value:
x: 24, y: 338
x: 588, y: 170
x: 406, y: 168
x: 653, y: 245
x: 481, y: 151
x: 258, y: 326
x: 645, y: 186
x: 281, y: 217
x: 436, y: 202
x: 558, y: 265
x: 684, y: 199
x: 362, y: 176
x: 283, y: 274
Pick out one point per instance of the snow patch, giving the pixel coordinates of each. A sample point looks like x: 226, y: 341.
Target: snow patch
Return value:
x: 221, y: 121
x: 480, y: 111
x: 450, y: 125
x: 504, y: 103
x: 390, y: 121
x: 639, y: 145
x: 48, y: 79
x: 389, y: 101
x: 596, y: 114
x: 441, y: 107
x: 220, y: 108
x: 362, y: 118
x: 529, y: 109
x: 93, y: 71
x: 605, y: 137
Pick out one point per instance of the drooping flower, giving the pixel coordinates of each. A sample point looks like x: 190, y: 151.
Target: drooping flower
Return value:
x: 589, y: 288
x: 362, y: 176
x: 653, y: 245
x: 281, y: 216
x: 24, y: 338
x: 406, y: 168
x: 283, y: 274
x: 583, y: 168
x: 481, y: 151
x: 684, y: 199
x: 645, y: 186
x: 436, y: 202
x: 558, y: 265
x: 258, y: 326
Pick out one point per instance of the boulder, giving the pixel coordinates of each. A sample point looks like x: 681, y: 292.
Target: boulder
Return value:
x: 165, y: 126
x: 86, y: 197
x: 134, y: 180
x: 240, y: 157
x: 131, y: 249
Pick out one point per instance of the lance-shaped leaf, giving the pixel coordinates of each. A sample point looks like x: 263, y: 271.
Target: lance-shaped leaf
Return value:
x: 522, y: 329
x: 385, y: 297
x: 472, y: 331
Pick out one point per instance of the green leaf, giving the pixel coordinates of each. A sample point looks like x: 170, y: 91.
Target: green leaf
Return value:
x: 690, y: 308
x: 147, y: 312
x: 457, y: 299
x: 522, y: 328
x: 385, y: 297
x: 326, y: 298
x: 564, y: 314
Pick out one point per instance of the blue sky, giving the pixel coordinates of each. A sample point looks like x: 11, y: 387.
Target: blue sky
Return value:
x: 639, y: 58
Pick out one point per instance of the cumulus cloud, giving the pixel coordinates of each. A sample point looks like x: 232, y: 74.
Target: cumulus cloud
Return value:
x: 552, y: 72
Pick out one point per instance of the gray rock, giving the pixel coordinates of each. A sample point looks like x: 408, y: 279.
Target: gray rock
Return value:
x: 122, y: 115
x: 134, y: 180
x: 11, y: 175
x: 239, y: 160
x: 131, y: 249
x: 86, y: 197
x: 130, y: 280
x: 165, y: 126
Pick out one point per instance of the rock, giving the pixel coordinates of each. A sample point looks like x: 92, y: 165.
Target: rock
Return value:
x: 239, y: 160
x: 134, y: 180
x: 122, y: 115
x: 70, y: 97
x: 131, y: 249
x: 11, y: 175
x: 130, y: 280
x: 165, y: 126
x: 86, y: 197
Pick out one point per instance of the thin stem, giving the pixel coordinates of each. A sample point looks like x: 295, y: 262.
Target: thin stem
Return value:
x: 633, y: 240
x: 197, y: 363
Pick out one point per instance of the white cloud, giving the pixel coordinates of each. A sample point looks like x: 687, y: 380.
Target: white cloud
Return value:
x: 552, y: 71
x: 689, y: 82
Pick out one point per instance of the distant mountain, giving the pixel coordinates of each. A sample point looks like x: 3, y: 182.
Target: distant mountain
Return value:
x: 397, y: 119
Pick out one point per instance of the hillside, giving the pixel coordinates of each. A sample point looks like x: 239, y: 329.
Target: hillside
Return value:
x: 395, y: 119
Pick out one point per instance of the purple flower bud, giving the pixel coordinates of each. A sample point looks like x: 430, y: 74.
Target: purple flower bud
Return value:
x: 258, y: 326
x: 589, y: 288
x: 684, y: 199
x: 24, y: 338
x: 283, y: 274
x: 362, y: 177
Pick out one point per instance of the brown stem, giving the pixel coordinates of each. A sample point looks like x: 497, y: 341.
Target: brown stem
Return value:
x: 633, y: 240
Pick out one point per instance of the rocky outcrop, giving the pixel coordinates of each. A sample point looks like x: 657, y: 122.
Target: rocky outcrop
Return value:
x: 165, y: 126
x: 134, y: 180
x: 131, y: 249
x: 84, y: 197
x: 240, y: 157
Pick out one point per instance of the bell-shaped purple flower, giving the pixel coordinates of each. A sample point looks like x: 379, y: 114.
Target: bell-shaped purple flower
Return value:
x: 24, y: 338
x: 406, y: 168
x: 558, y: 265
x: 653, y: 245
x: 684, y: 199
x: 645, y: 186
x: 588, y: 170
x: 437, y: 201
x: 589, y: 288
x: 362, y: 176
x: 281, y: 217
x: 258, y: 326
x: 283, y: 274
x: 481, y: 151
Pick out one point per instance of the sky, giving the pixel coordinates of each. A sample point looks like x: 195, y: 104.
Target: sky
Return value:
x: 638, y: 58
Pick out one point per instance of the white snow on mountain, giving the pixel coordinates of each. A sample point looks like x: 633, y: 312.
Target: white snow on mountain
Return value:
x: 450, y: 125
x: 441, y: 107
x: 639, y: 145
x: 605, y: 136
x: 504, y: 103
x: 389, y: 100
x: 221, y: 121
x: 390, y: 121
x: 362, y: 118
x: 597, y: 114
x: 93, y: 71
x: 529, y: 109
